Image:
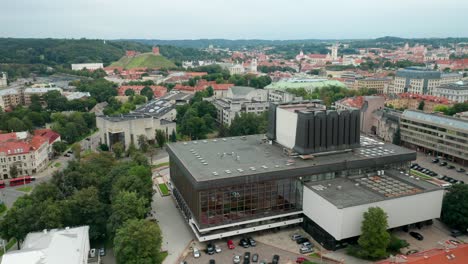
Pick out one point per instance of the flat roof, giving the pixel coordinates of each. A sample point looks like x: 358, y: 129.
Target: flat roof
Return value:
x: 437, y: 119
x: 353, y: 191
x: 224, y: 161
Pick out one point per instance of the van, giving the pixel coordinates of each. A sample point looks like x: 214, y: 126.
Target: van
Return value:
x: 92, y: 253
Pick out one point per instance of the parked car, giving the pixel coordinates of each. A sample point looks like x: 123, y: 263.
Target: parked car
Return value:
x: 295, y: 237
x: 435, y: 160
x: 304, y: 250
x: 416, y: 235
x: 247, y: 255
x: 102, y: 252
x: 217, y: 249
x: 236, y: 259
x: 302, y: 240
x: 450, y: 167
x: 264, y: 261
x: 244, y: 243
x: 307, y: 244
x: 443, y: 163
x: 300, y: 260
x: 230, y: 244
x: 210, y: 249
x: 461, y: 170
x: 212, y: 261
x: 455, y: 232
x: 255, y: 257
x: 275, y: 259
x: 196, y: 253
x: 66, y: 155
x: 252, y: 242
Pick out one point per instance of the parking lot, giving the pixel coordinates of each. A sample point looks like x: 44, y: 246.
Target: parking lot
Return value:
x: 269, y: 243
x: 427, y: 163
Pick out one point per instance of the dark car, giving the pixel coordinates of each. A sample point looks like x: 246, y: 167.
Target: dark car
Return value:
x: 244, y: 243
x: 275, y: 259
x: 212, y: 261
x: 455, y: 232
x: 450, y: 167
x: 255, y: 257
x: 416, y: 235
x: 435, y: 160
x: 443, y: 163
x: 210, y: 249
x: 302, y: 240
x: 252, y: 242
x: 247, y: 255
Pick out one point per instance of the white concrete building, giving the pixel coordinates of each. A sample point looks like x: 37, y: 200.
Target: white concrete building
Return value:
x: 457, y: 92
x: 87, y: 66
x: 69, y: 245
x: 420, y: 80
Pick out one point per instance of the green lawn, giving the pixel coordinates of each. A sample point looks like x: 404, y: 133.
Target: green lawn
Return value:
x: 160, y: 165
x: 8, y: 246
x: 419, y: 174
x: 57, y: 164
x: 164, y: 189
x: 162, y: 256
x: 148, y: 60
x: 25, y: 189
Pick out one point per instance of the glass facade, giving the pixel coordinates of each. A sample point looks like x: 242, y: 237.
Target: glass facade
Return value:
x: 249, y: 201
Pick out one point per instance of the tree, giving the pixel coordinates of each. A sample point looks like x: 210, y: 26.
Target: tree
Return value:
x: 397, y: 137
x: 160, y: 137
x: 210, y: 91
x: 129, y: 92
x: 374, y: 237
x: 138, y: 242
x: 421, y: 105
x: 59, y: 147
x: 173, y: 136
x: 131, y: 149
x: 143, y: 143
x: 16, y: 125
x: 223, y: 131
x: 104, y: 147
x: 125, y: 206
x: 146, y: 91
x: 118, y: 149
x: 455, y: 207
x: 14, y: 171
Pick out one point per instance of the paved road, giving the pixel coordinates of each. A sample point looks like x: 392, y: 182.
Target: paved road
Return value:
x: 175, y: 231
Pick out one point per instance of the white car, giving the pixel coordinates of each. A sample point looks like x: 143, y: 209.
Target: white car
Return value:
x: 217, y: 249
x: 236, y: 259
x: 196, y: 253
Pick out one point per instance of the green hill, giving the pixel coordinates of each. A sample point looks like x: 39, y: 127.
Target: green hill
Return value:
x: 148, y: 60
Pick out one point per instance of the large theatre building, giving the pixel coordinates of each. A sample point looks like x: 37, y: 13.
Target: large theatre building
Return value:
x: 313, y: 168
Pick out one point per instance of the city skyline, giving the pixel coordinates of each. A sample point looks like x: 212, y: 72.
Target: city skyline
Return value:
x: 261, y: 19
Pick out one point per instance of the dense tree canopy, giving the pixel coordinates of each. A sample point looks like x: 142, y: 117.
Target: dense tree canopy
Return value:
x: 138, y: 242
x: 455, y: 207
x: 374, y: 238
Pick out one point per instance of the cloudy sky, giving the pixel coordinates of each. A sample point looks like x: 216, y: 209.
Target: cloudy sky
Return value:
x: 233, y: 19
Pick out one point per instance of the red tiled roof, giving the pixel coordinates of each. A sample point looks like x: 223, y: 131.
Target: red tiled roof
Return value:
x: 425, y: 97
x: 7, y: 137
x: 47, y: 133
x: 37, y: 142
x: 353, y: 101
x: 457, y: 255
x: 14, y: 147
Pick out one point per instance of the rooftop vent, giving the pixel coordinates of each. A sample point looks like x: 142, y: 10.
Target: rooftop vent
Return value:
x: 228, y: 171
x: 338, y: 187
x: 215, y: 173
x: 204, y: 141
x: 252, y: 168
x: 265, y: 166
x: 240, y: 170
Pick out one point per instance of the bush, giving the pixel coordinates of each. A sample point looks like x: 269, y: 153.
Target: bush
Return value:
x: 2, y: 208
x: 396, y: 244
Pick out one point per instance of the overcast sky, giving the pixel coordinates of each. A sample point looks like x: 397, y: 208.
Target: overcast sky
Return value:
x: 233, y: 19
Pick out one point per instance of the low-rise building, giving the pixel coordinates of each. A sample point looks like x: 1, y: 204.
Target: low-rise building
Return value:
x: 447, y: 252
x: 10, y: 98
x: 29, y: 92
x: 412, y: 101
x: 309, y: 84
x: 385, y: 124
x: 158, y: 91
x: 420, y: 80
x: 457, y: 92
x: 29, y: 154
x: 366, y: 106
x: 87, y: 66
x: 282, y: 96
x: 55, y: 246
x: 436, y: 134
x: 239, y: 100
x: 145, y: 120
x: 378, y: 84
x: 312, y: 168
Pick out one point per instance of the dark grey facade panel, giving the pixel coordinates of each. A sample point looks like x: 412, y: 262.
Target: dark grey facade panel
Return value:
x: 271, y: 133
x: 322, y: 131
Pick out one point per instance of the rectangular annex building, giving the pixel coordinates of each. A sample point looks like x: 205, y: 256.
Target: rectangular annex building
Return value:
x: 236, y: 185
